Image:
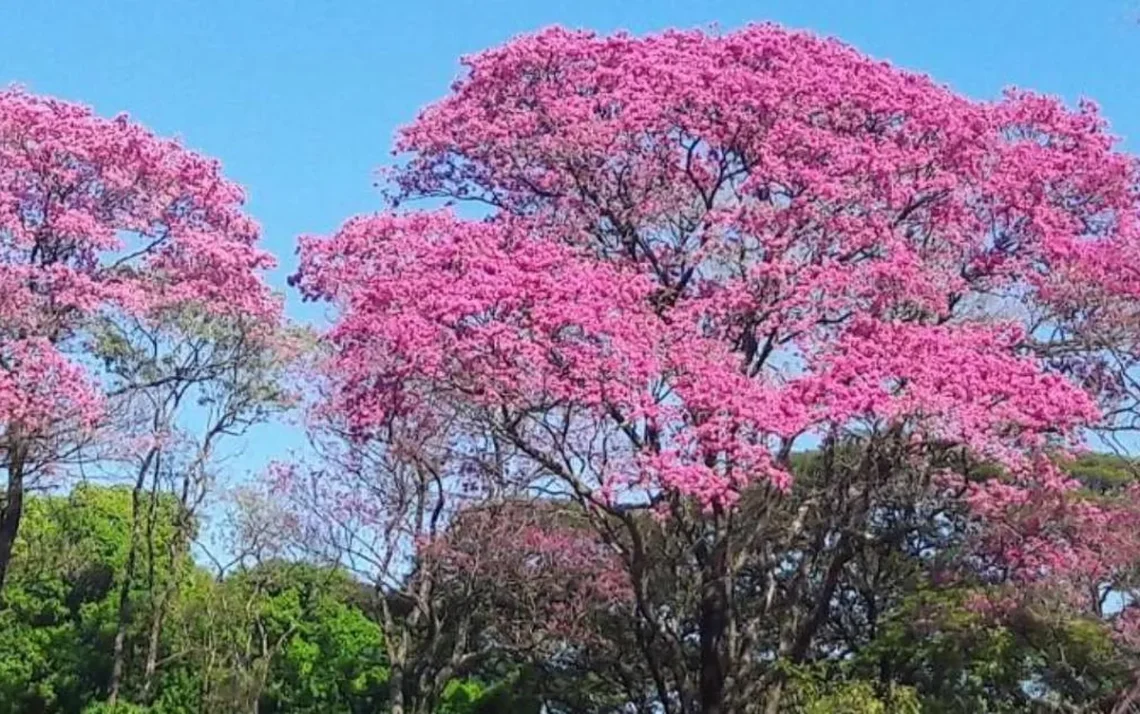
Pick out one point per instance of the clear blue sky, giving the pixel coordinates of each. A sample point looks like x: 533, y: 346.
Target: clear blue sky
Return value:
x: 299, y: 99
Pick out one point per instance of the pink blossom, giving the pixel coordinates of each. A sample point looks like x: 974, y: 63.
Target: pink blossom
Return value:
x: 101, y: 219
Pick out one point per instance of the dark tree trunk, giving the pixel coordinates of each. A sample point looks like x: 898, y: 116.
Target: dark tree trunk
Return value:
x: 396, y: 689
x: 713, y: 625
x: 153, y: 642
x: 118, y: 647
x: 11, y: 510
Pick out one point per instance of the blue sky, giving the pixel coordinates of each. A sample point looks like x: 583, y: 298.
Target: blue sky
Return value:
x: 300, y: 99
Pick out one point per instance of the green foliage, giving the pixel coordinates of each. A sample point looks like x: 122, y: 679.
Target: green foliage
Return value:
x: 286, y: 635
x: 512, y: 694
x: 289, y: 635
x: 120, y: 708
x: 1103, y: 473
x: 59, y: 604
x: 330, y: 654
x: 961, y: 662
x: 852, y: 697
x: 462, y: 696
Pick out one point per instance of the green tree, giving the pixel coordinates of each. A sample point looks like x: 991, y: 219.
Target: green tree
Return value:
x: 280, y: 637
x: 59, y: 606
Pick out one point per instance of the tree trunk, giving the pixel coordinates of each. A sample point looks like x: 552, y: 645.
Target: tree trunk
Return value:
x: 205, y: 688
x: 169, y: 590
x: 713, y: 624
x: 12, y: 509
x: 396, y: 688
x: 118, y: 647
x: 153, y: 643
x: 775, y: 694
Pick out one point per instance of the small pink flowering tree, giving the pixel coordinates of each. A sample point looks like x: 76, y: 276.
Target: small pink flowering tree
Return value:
x: 130, y: 277
x: 465, y: 572
x: 702, y: 253
x: 542, y: 575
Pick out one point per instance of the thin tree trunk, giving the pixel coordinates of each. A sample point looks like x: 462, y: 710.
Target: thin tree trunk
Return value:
x: 158, y: 598
x: 775, y: 694
x: 396, y: 687
x: 153, y: 643
x: 713, y: 626
x: 177, y: 542
x: 118, y: 647
x: 12, y: 509
x: 205, y: 689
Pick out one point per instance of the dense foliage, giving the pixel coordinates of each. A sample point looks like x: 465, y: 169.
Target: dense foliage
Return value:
x: 283, y: 635
x: 278, y: 636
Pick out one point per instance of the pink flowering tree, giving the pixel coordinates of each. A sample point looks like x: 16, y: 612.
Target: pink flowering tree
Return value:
x: 132, y: 293
x: 700, y: 254
x: 543, y: 575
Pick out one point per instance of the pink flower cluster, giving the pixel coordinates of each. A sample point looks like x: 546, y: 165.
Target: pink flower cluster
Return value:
x: 42, y: 392
x: 1044, y: 542
x: 536, y: 569
x: 100, y: 218
x: 1046, y: 529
